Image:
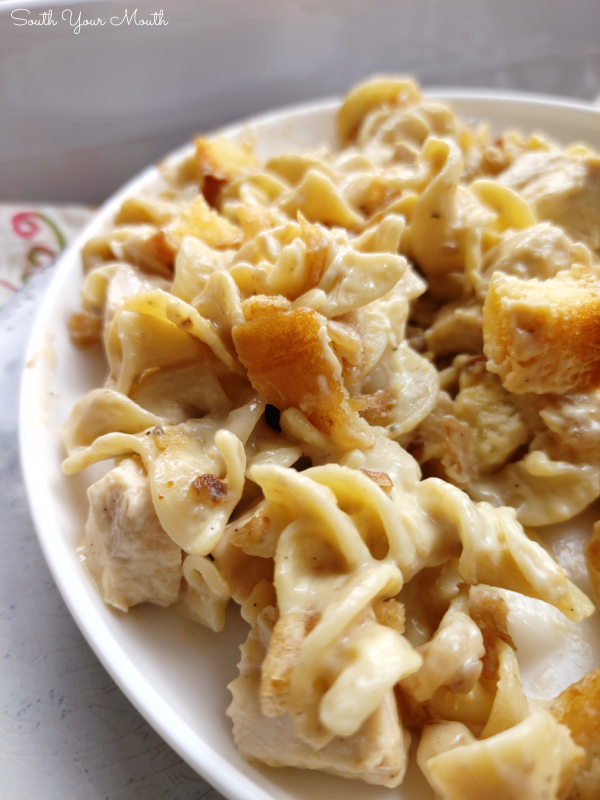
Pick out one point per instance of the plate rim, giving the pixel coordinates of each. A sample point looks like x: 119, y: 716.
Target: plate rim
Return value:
x: 195, y: 751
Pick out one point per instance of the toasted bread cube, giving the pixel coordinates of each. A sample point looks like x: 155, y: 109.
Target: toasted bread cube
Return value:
x: 291, y: 363
x: 578, y: 707
x: 592, y: 560
x: 544, y: 337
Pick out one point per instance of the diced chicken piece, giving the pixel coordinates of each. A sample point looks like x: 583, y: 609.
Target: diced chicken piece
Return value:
x: 377, y: 753
x: 544, y: 337
x: 128, y: 553
x: 537, y: 252
x: 456, y: 329
x: 563, y: 188
x: 497, y: 422
x: 574, y: 419
x: 426, y: 441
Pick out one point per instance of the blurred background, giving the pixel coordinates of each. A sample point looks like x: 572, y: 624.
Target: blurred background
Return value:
x: 82, y: 112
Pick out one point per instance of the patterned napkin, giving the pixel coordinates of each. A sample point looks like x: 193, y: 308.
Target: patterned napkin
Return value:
x: 31, y: 237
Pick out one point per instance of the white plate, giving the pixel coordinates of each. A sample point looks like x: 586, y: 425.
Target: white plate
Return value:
x: 176, y: 673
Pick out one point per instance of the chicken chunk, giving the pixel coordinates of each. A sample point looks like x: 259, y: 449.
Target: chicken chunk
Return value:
x: 128, y: 553
x: 377, y: 753
x: 563, y: 188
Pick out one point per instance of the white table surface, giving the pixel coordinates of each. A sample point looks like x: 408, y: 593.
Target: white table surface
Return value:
x: 66, y: 732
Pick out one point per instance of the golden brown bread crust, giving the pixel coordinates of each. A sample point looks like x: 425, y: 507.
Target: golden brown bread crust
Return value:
x: 544, y: 337
x: 592, y: 560
x: 291, y: 366
x: 578, y: 707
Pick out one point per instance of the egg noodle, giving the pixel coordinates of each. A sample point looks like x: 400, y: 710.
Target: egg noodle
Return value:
x: 340, y: 385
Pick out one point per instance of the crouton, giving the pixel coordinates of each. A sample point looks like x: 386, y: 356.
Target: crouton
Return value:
x: 544, y: 337
x: 373, y: 407
x: 252, y: 534
x: 592, y: 560
x: 290, y: 362
x: 578, y: 707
